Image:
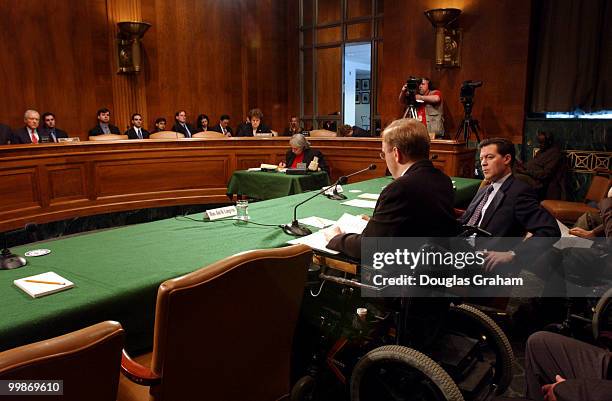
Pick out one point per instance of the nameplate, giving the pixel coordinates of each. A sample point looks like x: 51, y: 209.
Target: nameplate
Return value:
x: 264, y: 134
x: 221, y: 212
x: 71, y: 139
x: 330, y: 190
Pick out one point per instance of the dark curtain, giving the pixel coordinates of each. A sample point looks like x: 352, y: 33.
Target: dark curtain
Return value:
x: 573, y: 56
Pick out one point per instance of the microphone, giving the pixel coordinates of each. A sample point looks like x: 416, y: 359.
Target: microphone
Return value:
x: 344, y: 179
x: 8, y: 260
x: 299, y: 230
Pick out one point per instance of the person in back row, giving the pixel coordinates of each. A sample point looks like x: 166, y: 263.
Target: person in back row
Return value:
x: 301, y: 153
x: 255, y: 125
x: 104, y: 126
x: 160, y: 125
x: 29, y: 133
x: 137, y: 131
x: 202, y: 123
x: 223, y: 126
x: 181, y: 126
x: 49, y: 132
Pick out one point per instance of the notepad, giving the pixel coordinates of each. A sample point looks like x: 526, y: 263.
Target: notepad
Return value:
x: 43, y: 284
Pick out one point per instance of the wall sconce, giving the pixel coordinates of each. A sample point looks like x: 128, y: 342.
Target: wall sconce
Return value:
x: 129, y: 45
x: 448, y: 40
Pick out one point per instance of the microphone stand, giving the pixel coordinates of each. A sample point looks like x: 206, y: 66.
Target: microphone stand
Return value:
x: 9, y: 260
x: 299, y: 230
x: 343, y: 180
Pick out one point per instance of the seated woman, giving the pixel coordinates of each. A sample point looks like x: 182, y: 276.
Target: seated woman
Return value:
x: 301, y: 153
x: 254, y: 126
x: 202, y: 123
x: 160, y: 125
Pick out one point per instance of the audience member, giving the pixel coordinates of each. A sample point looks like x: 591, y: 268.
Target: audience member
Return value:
x: 181, y: 125
x: 29, y: 133
x: 5, y: 134
x: 202, y: 123
x: 293, y: 128
x: 254, y: 126
x: 544, y: 173
x: 160, y: 125
x: 355, y: 131
x: 223, y: 126
x: 301, y: 152
x: 49, y: 132
x: 136, y: 131
x: 104, y: 126
x: 418, y: 203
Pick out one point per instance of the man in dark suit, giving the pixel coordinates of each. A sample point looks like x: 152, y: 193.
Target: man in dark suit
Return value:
x: 29, y: 133
x: 418, y: 203
x: 181, y: 125
x: 104, y: 126
x: 5, y: 134
x: 136, y: 131
x: 507, y: 207
x: 223, y: 126
x: 49, y: 132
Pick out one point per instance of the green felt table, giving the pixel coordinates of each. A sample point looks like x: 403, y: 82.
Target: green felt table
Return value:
x: 117, y: 272
x: 269, y: 185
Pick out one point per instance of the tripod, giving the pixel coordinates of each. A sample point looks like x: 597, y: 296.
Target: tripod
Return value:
x: 468, y: 125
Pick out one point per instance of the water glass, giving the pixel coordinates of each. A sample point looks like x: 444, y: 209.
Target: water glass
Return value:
x: 242, y: 211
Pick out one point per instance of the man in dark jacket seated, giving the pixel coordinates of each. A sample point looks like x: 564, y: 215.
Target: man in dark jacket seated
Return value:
x: 301, y: 153
x: 544, y: 173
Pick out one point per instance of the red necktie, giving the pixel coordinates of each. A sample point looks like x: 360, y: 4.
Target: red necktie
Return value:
x: 34, y: 139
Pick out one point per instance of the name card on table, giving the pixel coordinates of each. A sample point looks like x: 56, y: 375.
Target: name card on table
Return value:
x: 221, y: 212
x: 330, y: 190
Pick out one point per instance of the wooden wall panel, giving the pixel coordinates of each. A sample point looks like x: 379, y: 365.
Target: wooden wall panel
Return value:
x: 54, y: 58
x: 19, y: 189
x: 67, y: 182
x: 495, y: 48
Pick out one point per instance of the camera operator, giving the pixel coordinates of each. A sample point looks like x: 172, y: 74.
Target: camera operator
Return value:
x: 429, y: 105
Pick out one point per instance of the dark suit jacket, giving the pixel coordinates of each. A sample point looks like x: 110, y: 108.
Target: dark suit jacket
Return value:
x: 21, y: 135
x: 5, y: 134
x: 179, y: 128
x: 309, y: 154
x: 512, y: 213
x: 131, y: 133
x: 359, y: 132
x: 46, y: 133
x: 97, y: 130
x: 417, y: 204
x: 217, y: 128
x: 247, y: 129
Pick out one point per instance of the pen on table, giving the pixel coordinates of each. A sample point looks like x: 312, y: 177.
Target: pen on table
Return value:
x: 45, y: 282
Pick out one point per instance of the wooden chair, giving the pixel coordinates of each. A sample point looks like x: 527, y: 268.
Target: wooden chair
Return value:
x: 209, y: 135
x: 224, y: 332
x: 108, y: 137
x: 568, y: 212
x: 87, y: 360
x: 322, y: 133
x: 166, y: 135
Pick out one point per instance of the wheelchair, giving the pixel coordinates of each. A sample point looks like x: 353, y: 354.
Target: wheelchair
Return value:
x: 388, y: 350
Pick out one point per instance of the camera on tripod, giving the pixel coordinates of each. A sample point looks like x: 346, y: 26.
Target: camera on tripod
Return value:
x: 468, y: 88
x: 413, y: 83
x: 412, y: 86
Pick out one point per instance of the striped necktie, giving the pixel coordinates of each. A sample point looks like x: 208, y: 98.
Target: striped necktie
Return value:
x: 478, y: 211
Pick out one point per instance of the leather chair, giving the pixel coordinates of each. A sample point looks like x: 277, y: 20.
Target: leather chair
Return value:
x: 166, y: 135
x: 87, y: 360
x: 108, y: 137
x: 210, y: 135
x: 224, y: 332
x: 322, y: 133
x: 568, y: 212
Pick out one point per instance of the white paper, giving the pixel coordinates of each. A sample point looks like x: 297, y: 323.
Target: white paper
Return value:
x: 350, y: 224
x: 355, y: 191
x: 330, y: 189
x: 254, y: 169
x: 315, y: 241
x: 36, y: 290
x: 570, y: 241
x: 369, y: 196
x: 318, y: 222
x: 360, y: 203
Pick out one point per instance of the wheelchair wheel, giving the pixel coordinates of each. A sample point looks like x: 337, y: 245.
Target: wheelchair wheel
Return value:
x: 303, y: 389
x: 394, y: 372
x: 494, y: 343
x: 602, y: 320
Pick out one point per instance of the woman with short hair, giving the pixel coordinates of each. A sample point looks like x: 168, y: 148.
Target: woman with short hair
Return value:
x: 301, y: 152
